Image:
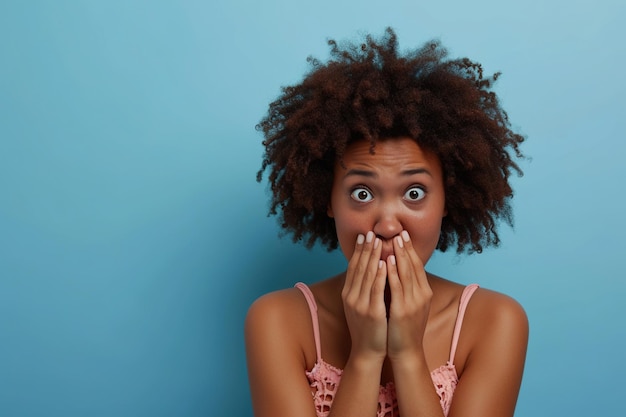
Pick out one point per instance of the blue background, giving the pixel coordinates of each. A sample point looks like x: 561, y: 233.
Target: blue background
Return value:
x: 133, y: 235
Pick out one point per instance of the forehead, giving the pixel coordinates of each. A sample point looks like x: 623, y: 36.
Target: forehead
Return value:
x: 400, y: 153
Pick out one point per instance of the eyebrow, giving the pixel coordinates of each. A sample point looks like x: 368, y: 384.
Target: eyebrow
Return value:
x: 371, y: 174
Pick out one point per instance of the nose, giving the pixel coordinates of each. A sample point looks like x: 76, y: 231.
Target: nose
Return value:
x: 387, y: 224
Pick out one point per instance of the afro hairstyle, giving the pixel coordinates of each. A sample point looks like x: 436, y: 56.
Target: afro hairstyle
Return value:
x: 370, y: 91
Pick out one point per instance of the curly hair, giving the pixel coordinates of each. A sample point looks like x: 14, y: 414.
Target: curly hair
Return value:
x: 371, y: 92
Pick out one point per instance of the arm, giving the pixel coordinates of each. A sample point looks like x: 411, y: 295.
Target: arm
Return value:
x: 495, y: 336
x: 275, y: 338
x: 364, y: 309
x: 410, y: 305
x: 276, y: 363
x: 496, y: 332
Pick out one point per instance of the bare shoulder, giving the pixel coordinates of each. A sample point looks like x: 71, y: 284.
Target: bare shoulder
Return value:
x: 278, y: 336
x: 491, y: 355
x: 277, y: 313
x: 493, y: 311
x: 495, y: 329
x: 275, y: 302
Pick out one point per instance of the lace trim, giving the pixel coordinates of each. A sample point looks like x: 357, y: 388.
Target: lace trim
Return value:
x: 324, y: 380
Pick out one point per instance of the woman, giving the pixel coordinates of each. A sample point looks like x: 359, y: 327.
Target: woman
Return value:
x: 389, y: 157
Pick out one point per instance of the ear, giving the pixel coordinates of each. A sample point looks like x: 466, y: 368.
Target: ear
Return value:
x: 329, y: 212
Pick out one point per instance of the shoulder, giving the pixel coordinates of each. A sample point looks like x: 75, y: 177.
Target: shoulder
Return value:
x: 495, y: 328
x: 492, y: 352
x: 279, y: 347
x: 276, y: 301
x: 485, y: 309
x: 277, y: 310
x: 280, y: 317
x: 492, y: 310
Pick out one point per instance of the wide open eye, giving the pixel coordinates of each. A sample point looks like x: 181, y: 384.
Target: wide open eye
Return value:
x: 415, y: 194
x: 362, y: 195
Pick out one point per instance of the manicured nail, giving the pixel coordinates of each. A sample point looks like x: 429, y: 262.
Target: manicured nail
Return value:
x: 369, y: 236
x: 392, y: 258
x: 359, y: 239
x: 399, y: 242
x: 376, y: 243
x: 405, y: 235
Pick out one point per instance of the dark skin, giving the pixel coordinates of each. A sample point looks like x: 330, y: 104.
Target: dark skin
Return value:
x: 338, y: 343
x: 369, y: 91
x: 388, y: 208
x: 489, y: 358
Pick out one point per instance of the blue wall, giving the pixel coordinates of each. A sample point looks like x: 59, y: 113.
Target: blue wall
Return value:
x: 133, y: 235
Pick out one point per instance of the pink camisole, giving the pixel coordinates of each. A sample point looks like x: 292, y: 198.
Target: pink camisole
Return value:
x: 324, y: 378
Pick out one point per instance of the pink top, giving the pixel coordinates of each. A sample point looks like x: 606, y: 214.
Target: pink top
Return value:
x: 324, y: 378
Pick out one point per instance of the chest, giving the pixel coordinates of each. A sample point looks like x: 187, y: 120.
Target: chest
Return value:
x: 336, y: 343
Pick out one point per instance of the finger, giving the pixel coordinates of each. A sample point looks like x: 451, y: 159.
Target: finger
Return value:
x: 406, y: 271
x: 393, y: 277
x: 372, y: 267
x: 352, y: 284
x: 416, y: 262
x: 377, y: 297
x: 398, y: 295
x: 369, y: 263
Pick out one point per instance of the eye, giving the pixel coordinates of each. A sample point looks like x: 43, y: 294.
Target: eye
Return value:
x: 362, y: 195
x: 414, y: 194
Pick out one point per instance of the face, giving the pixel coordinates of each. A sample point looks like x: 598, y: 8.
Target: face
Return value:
x: 399, y: 187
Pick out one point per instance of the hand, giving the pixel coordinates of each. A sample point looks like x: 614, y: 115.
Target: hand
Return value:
x: 410, y: 299
x: 363, y: 299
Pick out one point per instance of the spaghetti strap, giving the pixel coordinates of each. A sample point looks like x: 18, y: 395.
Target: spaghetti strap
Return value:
x: 465, y: 298
x: 310, y: 300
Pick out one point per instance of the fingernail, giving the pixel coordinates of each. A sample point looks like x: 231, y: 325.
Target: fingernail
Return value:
x: 360, y: 239
x: 376, y: 243
x: 380, y: 263
x: 369, y: 237
x: 399, y: 242
x: 392, y: 258
x: 405, y: 235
